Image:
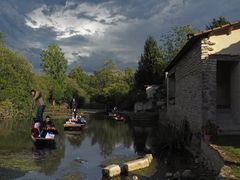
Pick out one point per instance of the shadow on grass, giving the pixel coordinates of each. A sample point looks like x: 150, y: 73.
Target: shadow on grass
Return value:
x: 230, y: 140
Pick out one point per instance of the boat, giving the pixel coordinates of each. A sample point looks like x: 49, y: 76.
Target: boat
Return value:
x: 112, y: 114
x: 74, y: 126
x: 119, y: 118
x: 39, y: 141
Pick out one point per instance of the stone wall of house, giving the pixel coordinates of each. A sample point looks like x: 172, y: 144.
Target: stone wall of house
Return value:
x: 188, y: 92
x: 209, y: 89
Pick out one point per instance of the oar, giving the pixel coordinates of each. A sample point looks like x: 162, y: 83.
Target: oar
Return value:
x: 30, y: 112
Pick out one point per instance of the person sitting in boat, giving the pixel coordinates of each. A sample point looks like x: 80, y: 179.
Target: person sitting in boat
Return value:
x: 33, y: 122
x: 36, y: 130
x: 49, y: 127
x: 80, y: 120
x: 46, y: 120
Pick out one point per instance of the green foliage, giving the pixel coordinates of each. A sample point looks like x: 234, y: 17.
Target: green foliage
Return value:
x: 80, y: 76
x: 174, y: 40
x: 129, y: 76
x: 1, y: 39
x: 221, y: 20
x: 74, y: 90
x: 55, y: 66
x: 110, y: 84
x: 54, y: 63
x: 150, y: 66
x: 16, y: 78
x: 42, y: 83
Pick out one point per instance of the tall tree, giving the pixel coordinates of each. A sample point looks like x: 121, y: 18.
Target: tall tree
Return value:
x: 54, y: 63
x: 221, y: 20
x: 174, y: 40
x: 1, y: 38
x: 151, y: 65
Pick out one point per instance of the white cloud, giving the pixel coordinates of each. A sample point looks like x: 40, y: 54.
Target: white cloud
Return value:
x: 104, y: 25
x: 75, y: 19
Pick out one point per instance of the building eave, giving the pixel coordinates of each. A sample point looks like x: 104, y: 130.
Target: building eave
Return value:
x: 197, y: 36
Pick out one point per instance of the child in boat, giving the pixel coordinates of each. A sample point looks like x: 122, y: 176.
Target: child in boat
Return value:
x: 49, y: 127
x: 80, y: 120
x: 36, y: 130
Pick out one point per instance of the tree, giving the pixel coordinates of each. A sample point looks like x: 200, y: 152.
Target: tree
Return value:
x: 107, y: 75
x: 174, y: 40
x: 54, y: 63
x: 74, y: 90
x: 150, y: 66
x: 16, y: 79
x: 220, y: 21
x: 81, y: 77
x: 1, y: 38
x: 110, y: 85
x: 129, y: 76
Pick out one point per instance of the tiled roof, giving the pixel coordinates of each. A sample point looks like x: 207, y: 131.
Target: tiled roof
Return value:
x: 195, y: 37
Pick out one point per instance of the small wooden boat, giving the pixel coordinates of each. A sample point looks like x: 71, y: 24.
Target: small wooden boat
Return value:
x: 74, y: 126
x: 39, y: 141
x: 119, y: 118
x: 112, y: 114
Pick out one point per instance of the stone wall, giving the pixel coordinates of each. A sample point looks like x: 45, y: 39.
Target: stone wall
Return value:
x: 209, y: 89
x: 188, y: 94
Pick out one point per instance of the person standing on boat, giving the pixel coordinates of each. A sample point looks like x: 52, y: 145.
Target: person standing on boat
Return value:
x: 74, y: 107
x: 39, y: 103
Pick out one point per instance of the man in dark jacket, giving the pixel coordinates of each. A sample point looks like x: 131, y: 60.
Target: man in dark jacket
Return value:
x: 39, y: 103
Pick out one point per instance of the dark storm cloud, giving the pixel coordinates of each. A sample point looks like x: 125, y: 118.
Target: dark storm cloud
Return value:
x: 89, y: 32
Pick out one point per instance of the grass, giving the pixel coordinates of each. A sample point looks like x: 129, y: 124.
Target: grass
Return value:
x: 229, y: 148
x: 18, y: 162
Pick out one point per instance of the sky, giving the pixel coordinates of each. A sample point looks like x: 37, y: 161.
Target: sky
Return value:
x: 90, y: 32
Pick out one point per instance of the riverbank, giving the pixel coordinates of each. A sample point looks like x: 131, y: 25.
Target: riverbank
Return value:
x: 229, y: 149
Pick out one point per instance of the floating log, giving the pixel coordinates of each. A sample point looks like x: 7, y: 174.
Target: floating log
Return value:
x: 112, y: 170
x: 138, y: 164
x: 115, y: 170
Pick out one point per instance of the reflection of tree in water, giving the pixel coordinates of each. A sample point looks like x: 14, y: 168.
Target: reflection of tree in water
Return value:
x: 108, y: 133
x: 139, y: 137
x: 75, y: 139
x: 49, y: 159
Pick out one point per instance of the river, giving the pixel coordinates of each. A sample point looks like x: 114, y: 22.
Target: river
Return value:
x: 82, y: 155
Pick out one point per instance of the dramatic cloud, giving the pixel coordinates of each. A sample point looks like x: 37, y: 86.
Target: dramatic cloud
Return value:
x: 75, y: 19
x: 89, y: 32
x: 102, y: 25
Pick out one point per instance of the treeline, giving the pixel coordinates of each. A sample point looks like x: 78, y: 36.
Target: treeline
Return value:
x: 107, y: 86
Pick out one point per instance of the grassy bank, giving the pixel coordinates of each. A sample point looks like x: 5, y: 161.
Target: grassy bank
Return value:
x: 229, y: 148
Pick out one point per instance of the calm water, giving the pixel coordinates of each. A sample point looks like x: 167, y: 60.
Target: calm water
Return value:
x: 82, y: 155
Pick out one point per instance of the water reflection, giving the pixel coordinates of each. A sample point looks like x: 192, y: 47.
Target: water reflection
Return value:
x: 81, y: 154
x: 108, y: 134
x: 75, y: 137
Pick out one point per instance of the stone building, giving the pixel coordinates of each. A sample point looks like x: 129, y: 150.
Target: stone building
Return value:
x: 151, y: 102
x: 203, y: 80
